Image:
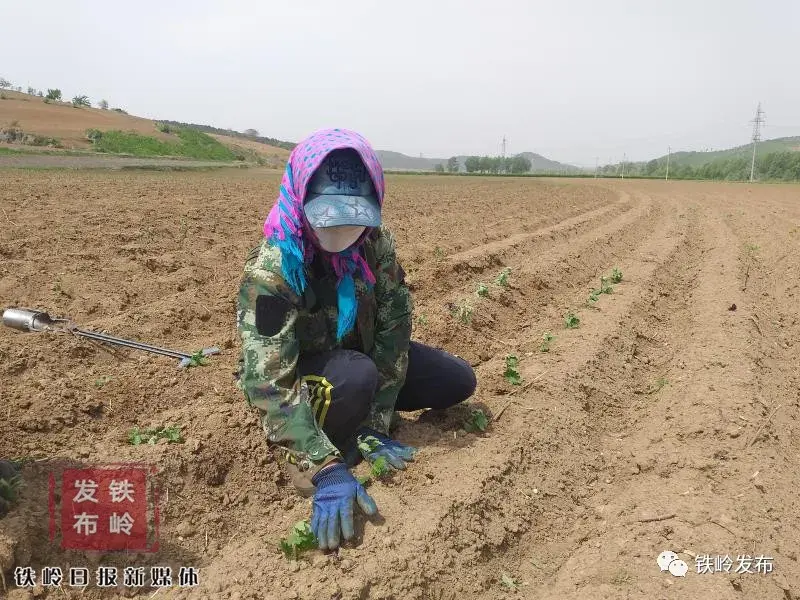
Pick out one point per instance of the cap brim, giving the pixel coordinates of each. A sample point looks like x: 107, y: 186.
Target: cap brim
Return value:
x: 329, y: 210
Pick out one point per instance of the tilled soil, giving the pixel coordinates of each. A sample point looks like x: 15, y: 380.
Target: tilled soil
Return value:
x: 667, y: 420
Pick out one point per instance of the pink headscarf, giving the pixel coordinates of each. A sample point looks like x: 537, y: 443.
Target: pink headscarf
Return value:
x: 287, y: 228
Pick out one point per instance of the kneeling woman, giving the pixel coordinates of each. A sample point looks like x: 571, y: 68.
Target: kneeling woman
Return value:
x: 324, y: 318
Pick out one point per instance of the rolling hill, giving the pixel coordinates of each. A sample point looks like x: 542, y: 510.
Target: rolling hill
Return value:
x: 395, y: 161
x: 68, y: 125
x: 697, y: 159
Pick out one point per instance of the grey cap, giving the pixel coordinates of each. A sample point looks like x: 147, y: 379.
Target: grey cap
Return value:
x: 341, y: 192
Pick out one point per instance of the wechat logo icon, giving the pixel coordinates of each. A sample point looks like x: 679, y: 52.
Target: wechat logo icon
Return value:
x: 669, y: 561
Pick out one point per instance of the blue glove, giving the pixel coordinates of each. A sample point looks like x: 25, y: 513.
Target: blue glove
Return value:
x: 374, y: 445
x: 333, y: 505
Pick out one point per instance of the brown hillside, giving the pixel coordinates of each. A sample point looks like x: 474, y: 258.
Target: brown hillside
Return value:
x: 62, y: 121
x: 263, y: 149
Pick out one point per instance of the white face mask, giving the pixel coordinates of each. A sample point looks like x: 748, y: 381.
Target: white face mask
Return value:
x: 338, y: 237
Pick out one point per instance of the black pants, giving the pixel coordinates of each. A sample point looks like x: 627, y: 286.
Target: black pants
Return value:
x: 343, y: 384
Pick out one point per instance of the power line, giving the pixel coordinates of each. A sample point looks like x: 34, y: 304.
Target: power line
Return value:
x: 757, y: 123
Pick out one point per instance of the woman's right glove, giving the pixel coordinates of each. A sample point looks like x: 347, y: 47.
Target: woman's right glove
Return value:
x: 332, y: 511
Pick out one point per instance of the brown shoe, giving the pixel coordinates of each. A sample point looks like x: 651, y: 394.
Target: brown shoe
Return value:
x: 301, y: 479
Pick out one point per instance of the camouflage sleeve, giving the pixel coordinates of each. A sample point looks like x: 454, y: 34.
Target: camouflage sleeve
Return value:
x: 266, y: 316
x: 392, y: 331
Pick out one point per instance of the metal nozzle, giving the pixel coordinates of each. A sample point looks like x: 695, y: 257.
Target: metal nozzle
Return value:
x: 26, y: 319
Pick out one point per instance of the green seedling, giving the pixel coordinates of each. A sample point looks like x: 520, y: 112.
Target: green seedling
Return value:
x: 438, y: 252
x: 101, y: 381
x: 377, y: 470
x: 502, y: 279
x: 511, y: 374
x: 477, y: 421
x: 9, y: 492
x: 9, y: 488
x: 616, y: 275
x: 594, y: 296
x: 571, y: 321
x: 300, y: 539
x: 605, y: 286
x: 197, y: 360
x: 660, y: 384
x: 509, y: 582
x: 547, y: 338
x: 380, y: 468
x: 483, y: 290
x: 422, y: 320
x: 463, y: 312
x: 368, y: 444
x: 151, y: 435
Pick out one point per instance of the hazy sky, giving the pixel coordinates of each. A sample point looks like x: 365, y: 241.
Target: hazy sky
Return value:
x: 571, y: 80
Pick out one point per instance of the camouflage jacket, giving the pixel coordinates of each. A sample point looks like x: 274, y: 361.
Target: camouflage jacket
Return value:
x: 275, y: 325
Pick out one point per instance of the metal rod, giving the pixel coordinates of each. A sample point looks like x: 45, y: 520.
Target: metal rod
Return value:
x: 128, y: 343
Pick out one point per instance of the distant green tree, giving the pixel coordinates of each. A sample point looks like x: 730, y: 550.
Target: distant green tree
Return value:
x: 520, y: 164
x: 31, y: 91
x: 439, y: 168
x: 4, y: 83
x: 486, y: 164
x: 103, y: 104
x: 81, y: 101
x: 472, y: 164
x: 251, y: 132
x: 452, y: 165
x: 54, y: 94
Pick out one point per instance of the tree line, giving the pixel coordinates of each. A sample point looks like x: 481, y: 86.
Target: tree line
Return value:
x: 775, y: 166
x: 488, y: 164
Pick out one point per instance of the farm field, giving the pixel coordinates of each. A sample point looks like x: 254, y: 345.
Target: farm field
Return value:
x: 666, y: 420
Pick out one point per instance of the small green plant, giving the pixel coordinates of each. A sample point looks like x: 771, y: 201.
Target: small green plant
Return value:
x: 9, y: 488
x: 9, y: 492
x: 93, y: 135
x: 300, y: 539
x: 605, y: 286
x: 163, y: 128
x: 54, y: 94
x: 660, y: 384
x: 616, y: 275
x: 547, y: 339
x: 477, y: 420
x: 571, y: 321
x: 511, y: 373
x: 509, y: 582
x: 151, y: 435
x: 438, y: 252
x: 422, y: 320
x: 197, y: 360
x: 379, y: 468
x: 463, y: 312
x: 502, y: 278
x: 2, y: 96
x: 594, y: 296
x: 101, y: 381
x: 483, y: 290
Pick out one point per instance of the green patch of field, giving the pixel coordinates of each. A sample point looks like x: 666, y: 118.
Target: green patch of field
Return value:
x: 191, y: 144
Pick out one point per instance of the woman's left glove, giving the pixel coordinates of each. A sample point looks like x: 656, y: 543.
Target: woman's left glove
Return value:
x: 374, y: 445
x: 332, y: 511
